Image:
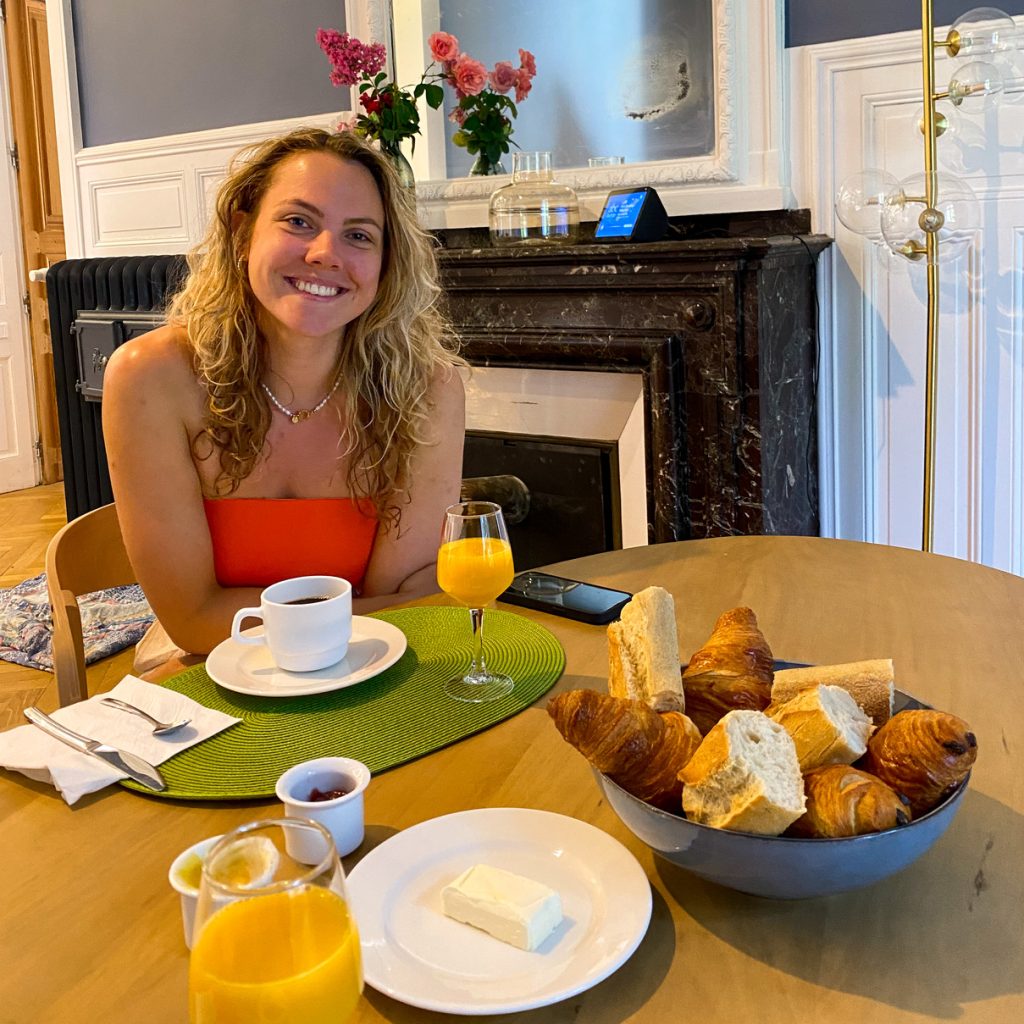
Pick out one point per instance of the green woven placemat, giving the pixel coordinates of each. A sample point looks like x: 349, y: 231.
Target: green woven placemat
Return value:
x: 395, y: 717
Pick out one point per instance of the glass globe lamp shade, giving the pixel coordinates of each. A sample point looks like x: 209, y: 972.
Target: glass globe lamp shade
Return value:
x: 860, y: 199
x: 954, y: 218
x: 976, y: 86
x: 984, y: 30
x: 947, y: 116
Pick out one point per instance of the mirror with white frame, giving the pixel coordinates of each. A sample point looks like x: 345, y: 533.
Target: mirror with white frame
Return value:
x: 672, y: 100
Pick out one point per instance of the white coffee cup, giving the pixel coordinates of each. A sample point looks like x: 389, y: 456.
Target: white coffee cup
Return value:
x: 307, y: 622
x: 342, y: 816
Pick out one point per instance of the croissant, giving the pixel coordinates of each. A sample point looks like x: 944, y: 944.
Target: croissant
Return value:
x: 842, y: 801
x: 639, y: 749
x: 921, y: 754
x: 732, y: 671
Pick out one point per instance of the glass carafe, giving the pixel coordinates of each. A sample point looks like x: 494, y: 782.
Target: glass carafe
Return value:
x: 533, y: 209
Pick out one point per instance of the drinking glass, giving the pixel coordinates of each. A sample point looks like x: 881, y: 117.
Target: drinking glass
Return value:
x: 474, y: 565
x: 274, y: 937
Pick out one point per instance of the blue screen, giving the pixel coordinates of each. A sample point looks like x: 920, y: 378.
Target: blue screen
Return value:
x: 620, y: 213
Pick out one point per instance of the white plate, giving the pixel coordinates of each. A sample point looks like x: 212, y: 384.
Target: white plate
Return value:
x: 415, y: 954
x: 375, y: 646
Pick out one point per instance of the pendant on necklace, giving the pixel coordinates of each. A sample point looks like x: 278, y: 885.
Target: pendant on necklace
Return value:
x: 302, y: 414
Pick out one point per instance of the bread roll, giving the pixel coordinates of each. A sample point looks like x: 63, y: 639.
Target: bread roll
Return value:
x: 921, y: 754
x: 826, y: 725
x: 732, y: 671
x: 842, y: 801
x: 745, y: 776
x: 870, y: 683
x: 643, y: 652
x: 640, y: 749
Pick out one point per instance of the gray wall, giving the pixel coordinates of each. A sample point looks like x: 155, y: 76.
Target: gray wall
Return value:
x: 822, y: 21
x: 148, y: 68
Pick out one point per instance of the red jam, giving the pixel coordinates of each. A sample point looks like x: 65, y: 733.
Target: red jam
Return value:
x: 329, y: 794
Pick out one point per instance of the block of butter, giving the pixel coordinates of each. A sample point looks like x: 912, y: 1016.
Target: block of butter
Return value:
x: 516, y: 910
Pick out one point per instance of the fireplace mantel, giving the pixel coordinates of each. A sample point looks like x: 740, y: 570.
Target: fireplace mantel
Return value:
x: 724, y: 331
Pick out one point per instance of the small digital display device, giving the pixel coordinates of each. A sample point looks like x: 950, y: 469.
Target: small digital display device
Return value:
x: 632, y: 215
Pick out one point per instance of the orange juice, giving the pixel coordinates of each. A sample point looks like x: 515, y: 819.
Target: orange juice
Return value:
x: 290, y: 957
x: 474, y: 570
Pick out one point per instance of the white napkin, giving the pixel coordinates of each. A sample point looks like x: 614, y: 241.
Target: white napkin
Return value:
x: 32, y: 752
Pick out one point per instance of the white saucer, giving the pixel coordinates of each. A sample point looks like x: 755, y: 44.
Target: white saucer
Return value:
x: 415, y: 954
x: 375, y: 646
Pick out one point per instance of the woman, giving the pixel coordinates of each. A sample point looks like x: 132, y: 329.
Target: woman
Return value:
x: 302, y: 412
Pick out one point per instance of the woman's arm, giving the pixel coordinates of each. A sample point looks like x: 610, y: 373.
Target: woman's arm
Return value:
x: 403, y: 566
x: 152, y: 405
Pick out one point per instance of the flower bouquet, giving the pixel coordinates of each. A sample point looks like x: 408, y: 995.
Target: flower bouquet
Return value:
x: 389, y: 111
x: 485, y: 111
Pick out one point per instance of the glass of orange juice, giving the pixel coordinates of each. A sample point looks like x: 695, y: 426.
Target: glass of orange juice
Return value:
x: 474, y: 565
x: 274, y: 937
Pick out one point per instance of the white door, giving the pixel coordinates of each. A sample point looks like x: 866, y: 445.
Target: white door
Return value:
x: 855, y: 107
x: 17, y: 408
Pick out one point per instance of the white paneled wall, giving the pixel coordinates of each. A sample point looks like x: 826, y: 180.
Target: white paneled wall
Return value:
x: 854, y: 106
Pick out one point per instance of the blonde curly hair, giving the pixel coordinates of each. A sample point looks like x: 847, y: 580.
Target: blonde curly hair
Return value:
x: 390, y: 354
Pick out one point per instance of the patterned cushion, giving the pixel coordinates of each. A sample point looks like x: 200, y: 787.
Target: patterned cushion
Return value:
x: 111, y: 621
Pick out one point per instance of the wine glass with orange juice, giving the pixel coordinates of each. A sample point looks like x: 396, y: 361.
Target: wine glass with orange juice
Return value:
x: 274, y: 939
x: 474, y: 565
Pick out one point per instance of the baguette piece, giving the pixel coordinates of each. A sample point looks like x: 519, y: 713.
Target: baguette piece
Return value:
x: 922, y: 754
x: 870, y: 683
x: 826, y: 724
x: 842, y: 801
x: 643, y: 652
x: 639, y: 749
x: 745, y: 776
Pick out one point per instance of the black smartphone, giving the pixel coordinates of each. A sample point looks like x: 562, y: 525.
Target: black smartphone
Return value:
x: 571, y: 598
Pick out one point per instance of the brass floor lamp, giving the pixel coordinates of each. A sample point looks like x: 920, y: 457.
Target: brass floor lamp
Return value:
x: 931, y: 217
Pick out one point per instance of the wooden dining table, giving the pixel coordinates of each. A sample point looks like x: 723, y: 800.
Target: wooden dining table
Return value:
x: 91, y: 930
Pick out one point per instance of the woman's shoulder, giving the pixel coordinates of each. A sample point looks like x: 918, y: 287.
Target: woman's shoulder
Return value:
x: 160, y: 358
x: 155, y: 373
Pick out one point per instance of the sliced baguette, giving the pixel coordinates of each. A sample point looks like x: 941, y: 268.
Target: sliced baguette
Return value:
x: 643, y: 652
x: 826, y: 724
x: 745, y: 776
x: 870, y: 683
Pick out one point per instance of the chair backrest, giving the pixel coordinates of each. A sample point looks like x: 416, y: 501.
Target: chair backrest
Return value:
x: 86, y: 555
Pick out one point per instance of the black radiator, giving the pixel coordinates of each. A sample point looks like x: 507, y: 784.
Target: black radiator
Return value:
x: 94, y: 306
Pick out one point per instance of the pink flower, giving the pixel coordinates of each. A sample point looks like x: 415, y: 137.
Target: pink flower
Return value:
x: 350, y: 59
x: 527, y: 62
x: 470, y: 75
x: 443, y: 46
x: 457, y: 116
x: 523, y: 85
x: 346, y: 123
x: 504, y: 77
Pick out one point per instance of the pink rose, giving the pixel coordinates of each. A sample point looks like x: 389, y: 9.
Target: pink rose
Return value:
x: 527, y: 62
x: 470, y: 75
x: 504, y: 77
x: 523, y: 85
x: 347, y: 123
x: 457, y: 116
x: 443, y: 46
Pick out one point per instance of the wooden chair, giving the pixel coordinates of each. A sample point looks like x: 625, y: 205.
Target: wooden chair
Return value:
x: 86, y: 555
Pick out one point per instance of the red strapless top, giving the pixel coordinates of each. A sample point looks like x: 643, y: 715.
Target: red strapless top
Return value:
x: 259, y: 541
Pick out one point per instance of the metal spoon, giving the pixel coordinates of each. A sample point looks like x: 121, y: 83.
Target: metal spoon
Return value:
x: 159, y: 728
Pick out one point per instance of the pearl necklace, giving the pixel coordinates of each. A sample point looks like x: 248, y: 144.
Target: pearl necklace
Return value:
x: 301, y: 414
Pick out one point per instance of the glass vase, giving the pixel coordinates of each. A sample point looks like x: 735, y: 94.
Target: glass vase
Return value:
x: 484, y: 166
x: 393, y: 151
x: 533, y: 209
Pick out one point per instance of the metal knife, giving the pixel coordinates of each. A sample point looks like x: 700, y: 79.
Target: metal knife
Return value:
x: 133, y: 766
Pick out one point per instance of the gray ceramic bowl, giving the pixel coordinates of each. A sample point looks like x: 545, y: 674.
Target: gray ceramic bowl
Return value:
x: 778, y: 866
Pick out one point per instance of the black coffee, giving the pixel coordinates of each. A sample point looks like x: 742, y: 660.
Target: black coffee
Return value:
x: 308, y: 600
